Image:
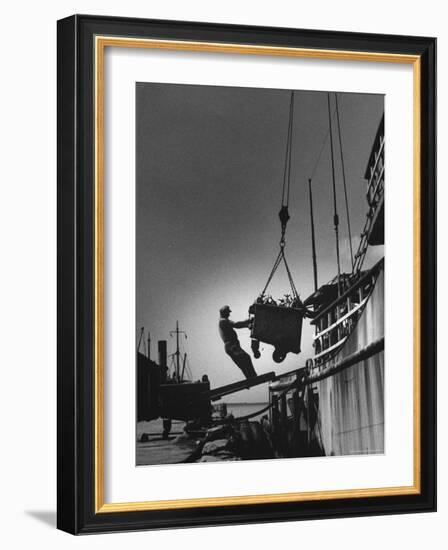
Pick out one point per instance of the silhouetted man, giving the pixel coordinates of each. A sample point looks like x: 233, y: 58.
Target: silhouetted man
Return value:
x: 232, y: 344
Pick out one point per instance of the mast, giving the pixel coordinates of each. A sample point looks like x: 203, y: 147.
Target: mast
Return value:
x: 177, y: 352
x: 335, y: 216
x: 347, y: 210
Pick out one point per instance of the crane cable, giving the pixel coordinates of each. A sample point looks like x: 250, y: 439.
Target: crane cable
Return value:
x: 287, y: 169
x: 321, y: 150
x: 284, y: 214
x: 335, y: 114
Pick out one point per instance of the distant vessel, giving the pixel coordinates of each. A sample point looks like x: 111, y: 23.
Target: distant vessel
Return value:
x: 167, y: 392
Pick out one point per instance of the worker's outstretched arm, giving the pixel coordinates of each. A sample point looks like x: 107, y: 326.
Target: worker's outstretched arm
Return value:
x: 241, y: 324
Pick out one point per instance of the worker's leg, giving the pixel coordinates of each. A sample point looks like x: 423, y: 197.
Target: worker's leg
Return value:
x: 244, y: 362
x: 249, y: 370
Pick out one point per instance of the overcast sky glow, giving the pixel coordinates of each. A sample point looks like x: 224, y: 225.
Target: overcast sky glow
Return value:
x: 210, y: 166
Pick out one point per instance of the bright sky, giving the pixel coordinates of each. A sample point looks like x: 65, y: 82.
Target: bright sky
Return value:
x: 210, y: 166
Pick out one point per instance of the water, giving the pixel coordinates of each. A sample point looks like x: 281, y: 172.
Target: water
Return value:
x: 155, y: 427
x: 242, y: 409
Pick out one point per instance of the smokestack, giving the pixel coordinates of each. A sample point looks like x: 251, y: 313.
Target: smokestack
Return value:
x: 162, y: 353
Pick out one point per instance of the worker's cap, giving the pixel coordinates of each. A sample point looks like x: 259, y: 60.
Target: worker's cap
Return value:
x: 224, y: 309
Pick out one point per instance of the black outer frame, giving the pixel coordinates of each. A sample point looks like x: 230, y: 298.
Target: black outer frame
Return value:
x: 75, y: 403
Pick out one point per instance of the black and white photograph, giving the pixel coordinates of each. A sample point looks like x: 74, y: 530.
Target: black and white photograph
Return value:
x: 222, y: 300
x: 259, y: 273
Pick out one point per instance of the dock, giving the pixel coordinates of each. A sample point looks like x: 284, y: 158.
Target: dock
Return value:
x: 157, y: 450
x: 154, y: 449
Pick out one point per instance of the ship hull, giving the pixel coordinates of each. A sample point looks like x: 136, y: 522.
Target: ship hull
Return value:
x: 351, y: 401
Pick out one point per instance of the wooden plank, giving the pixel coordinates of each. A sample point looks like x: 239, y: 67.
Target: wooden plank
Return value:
x: 217, y: 393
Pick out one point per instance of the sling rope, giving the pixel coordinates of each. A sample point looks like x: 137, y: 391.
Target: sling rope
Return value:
x: 284, y: 214
x: 281, y: 257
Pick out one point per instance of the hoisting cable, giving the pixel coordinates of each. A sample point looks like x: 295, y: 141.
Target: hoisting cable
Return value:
x: 335, y: 206
x: 284, y: 214
x: 310, y: 193
x: 313, y: 236
x: 287, y: 170
x: 345, y: 183
x: 321, y: 150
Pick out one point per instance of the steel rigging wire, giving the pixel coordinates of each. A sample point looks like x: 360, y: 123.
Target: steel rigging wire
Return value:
x: 345, y: 182
x: 284, y: 214
x: 329, y: 134
x: 335, y: 205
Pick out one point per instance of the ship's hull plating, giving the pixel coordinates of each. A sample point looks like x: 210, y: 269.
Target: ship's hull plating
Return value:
x: 351, y: 402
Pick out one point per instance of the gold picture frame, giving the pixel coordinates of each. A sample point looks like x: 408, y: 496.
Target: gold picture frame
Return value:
x: 98, y: 34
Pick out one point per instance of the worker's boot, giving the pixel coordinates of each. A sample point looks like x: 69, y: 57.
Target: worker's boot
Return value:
x: 255, y: 346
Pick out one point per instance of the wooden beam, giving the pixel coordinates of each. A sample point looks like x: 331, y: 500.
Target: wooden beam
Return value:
x: 217, y: 393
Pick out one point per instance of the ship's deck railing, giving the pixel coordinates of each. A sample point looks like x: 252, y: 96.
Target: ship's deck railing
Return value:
x: 336, y: 321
